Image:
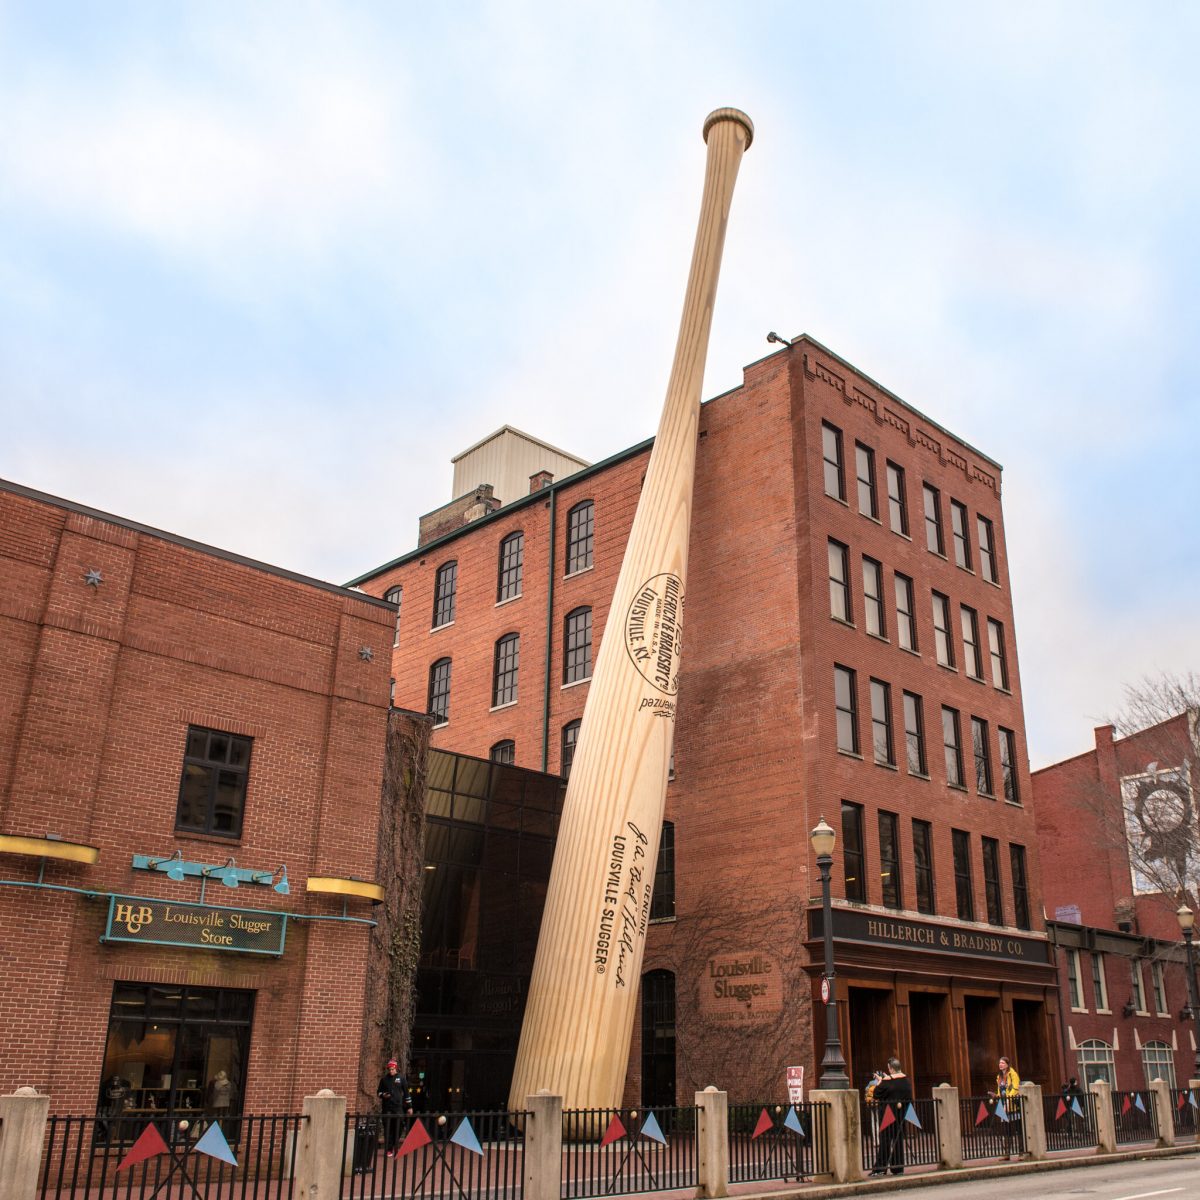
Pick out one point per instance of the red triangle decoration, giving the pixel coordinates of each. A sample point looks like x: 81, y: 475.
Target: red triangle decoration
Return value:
x: 416, y: 1137
x: 614, y: 1131
x: 982, y: 1114
x: 1061, y: 1110
x: 1125, y: 1106
x: 1182, y: 1100
x: 147, y: 1146
x: 889, y: 1118
x: 765, y: 1125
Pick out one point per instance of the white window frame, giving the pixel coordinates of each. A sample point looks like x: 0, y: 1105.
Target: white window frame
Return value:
x: 1155, y: 1057
x: 1096, y: 1061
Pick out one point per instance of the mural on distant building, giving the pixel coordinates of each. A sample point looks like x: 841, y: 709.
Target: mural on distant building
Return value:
x: 1160, y: 822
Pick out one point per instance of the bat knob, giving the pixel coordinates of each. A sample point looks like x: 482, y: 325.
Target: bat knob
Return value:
x: 730, y: 114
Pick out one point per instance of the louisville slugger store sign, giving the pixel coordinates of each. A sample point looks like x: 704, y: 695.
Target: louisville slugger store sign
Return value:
x: 205, y: 926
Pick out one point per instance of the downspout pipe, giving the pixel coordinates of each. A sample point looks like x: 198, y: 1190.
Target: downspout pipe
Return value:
x: 549, y: 630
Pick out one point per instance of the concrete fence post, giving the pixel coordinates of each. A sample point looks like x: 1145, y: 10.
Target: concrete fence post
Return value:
x: 949, y: 1121
x: 1160, y: 1097
x: 1106, y: 1125
x: 543, y: 1147
x: 712, y: 1142
x: 320, y: 1147
x: 22, y: 1132
x: 1033, y: 1119
x: 844, y: 1132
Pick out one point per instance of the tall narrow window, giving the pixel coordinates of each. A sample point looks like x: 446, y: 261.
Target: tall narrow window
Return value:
x: 996, y: 651
x: 1074, y: 981
x: 987, y: 549
x: 853, y: 858
x: 972, y: 658
x: 897, y: 502
x: 212, y: 786
x: 889, y: 859
x: 991, y: 881
x: 981, y: 747
x: 933, y: 520
x: 1158, y: 1062
x: 923, y: 865
x: 864, y: 460
x: 1137, y: 993
x: 1160, y: 988
x: 964, y: 889
x: 395, y: 595
x: 914, y: 734
x: 580, y: 522
x: 1020, y: 886
x: 881, y: 723
x: 570, y: 739
x: 961, y: 534
x: 1008, y: 764
x: 846, y: 702
x: 577, y: 645
x: 504, y: 672
x: 839, y: 581
x: 906, y: 623
x: 952, y: 744
x: 943, y: 639
x: 439, y: 691
x: 873, y: 597
x: 504, y: 752
x: 512, y: 564
x: 445, y: 588
x: 662, y: 905
x: 831, y: 449
x: 1099, y: 982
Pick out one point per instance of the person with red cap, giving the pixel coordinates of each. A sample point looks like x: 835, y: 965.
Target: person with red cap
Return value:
x: 396, y: 1099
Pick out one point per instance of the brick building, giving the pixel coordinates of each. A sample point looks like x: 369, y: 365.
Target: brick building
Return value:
x: 850, y: 653
x: 1120, y: 847
x: 177, y: 725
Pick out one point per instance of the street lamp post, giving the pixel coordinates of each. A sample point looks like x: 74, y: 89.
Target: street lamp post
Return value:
x: 1187, y: 919
x: 833, y: 1065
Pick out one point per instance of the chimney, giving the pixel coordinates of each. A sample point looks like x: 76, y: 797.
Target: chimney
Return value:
x: 539, y: 480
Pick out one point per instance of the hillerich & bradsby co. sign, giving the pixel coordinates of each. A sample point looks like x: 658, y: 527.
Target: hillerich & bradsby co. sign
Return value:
x: 203, y: 926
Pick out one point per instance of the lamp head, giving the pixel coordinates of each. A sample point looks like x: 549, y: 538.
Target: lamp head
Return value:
x: 282, y: 886
x: 175, y: 870
x: 229, y: 874
x: 1185, y: 917
x: 823, y: 839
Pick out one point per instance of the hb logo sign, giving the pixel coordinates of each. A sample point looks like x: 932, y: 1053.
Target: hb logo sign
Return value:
x: 133, y: 918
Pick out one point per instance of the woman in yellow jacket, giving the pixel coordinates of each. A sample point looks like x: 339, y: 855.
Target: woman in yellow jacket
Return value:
x: 1008, y: 1088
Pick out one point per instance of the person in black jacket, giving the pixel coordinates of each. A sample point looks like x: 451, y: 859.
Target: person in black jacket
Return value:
x: 396, y: 1100
x: 894, y: 1091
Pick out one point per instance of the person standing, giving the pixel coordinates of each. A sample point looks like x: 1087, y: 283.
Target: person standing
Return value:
x: 1008, y: 1089
x: 395, y: 1100
x: 894, y: 1091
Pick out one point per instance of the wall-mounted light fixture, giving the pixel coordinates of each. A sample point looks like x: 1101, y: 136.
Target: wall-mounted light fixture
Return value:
x: 178, y: 868
x: 270, y: 878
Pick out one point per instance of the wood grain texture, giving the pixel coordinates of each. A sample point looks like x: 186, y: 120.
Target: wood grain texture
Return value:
x: 584, y: 989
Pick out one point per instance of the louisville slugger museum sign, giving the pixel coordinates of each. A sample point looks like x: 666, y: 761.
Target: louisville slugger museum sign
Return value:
x: 203, y: 926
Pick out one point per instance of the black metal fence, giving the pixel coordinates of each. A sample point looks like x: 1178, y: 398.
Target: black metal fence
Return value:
x: 1183, y: 1114
x: 609, y: 1152
x: 434, y: 1156
x: 898, y: 1135
x: 171, y: 1157
x: 778, y: 1141
x: 991, y: 1127
x: 1070, y: 1121
x: 1135, y: 1116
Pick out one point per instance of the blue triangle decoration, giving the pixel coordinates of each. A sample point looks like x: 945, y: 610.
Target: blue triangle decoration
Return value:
x: 792, y: 1122
x: 1001, y: 1111
x: 1075, y: 1106
x: 911, y: 1116
x: 464, y: 1136
x: 213, y: 1144
x: 651, y: 1130
x: 1192, y: 1100
x: 1137, y: 1101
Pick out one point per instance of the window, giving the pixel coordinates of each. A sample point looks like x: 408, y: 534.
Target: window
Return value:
x: 1158, y: 1061
x: 831, y: 448
x: 864, y: 460
x: 392, y: 691
x: 846, y: 703
x: 980, y: 745
x: 923, y: 865
x: 839, y: 581
x: 662, y: 904
x: 212, y: 788
x: 873, y: 597
x: 942, y: 638
x: 395, y: 595
x: 1160, y: 988
x: 961, y: 534
x: 889, y: 859
x: 897, y: 505
x: 1008, y: 764
x: 1096, y: 1062
x: 1074, y: 982
x: 853, y: 859
x: 996, y: 650
x: 1020, y: 886
x: 570, y: 739
x: 881, y: 723
x: 964, y: 889
x: 579, y: 537
x: 1137, y: 990
x: 512, y: 565
x: 439, y: 691
x: 914, y: 734
x: 504, y: 752
x: 1099, y: 983
x: 445, y: 588
x: 906, y: 623
x: 972, y: 659
x: 933, y: 520
x: 991, y: 881
x: 577, y: 646
x: 987, y: 549
x: 504, y: 670
x: 952, y: 744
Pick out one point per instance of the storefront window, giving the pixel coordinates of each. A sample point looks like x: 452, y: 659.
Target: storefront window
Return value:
x: 1096, y: 1062
x: 1158, y: 1061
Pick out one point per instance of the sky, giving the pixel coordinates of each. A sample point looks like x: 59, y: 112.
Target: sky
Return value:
x: 265, y: 268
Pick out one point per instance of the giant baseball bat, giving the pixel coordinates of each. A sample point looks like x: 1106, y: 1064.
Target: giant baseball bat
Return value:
x: 582, y: 996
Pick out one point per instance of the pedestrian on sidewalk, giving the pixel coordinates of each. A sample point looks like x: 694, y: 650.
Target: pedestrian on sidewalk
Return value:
x: 894, y: 1091
x: 396, y: 1101
x: 1008, y: 1090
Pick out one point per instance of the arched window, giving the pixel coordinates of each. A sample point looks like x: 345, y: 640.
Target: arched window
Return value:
x: 1096, y: 1062
x: 445, y: 588
x: 662, y: 906
x: 570, y: 739
x: 395, y: 595
x: 1158, y: 1061
x: 504, y: 670
x: 504, y: 752
x: 579, y: 537
x: 439, y: 691
x: 658, y: 1039
x: 512, y: 564
x: 577, y: 645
